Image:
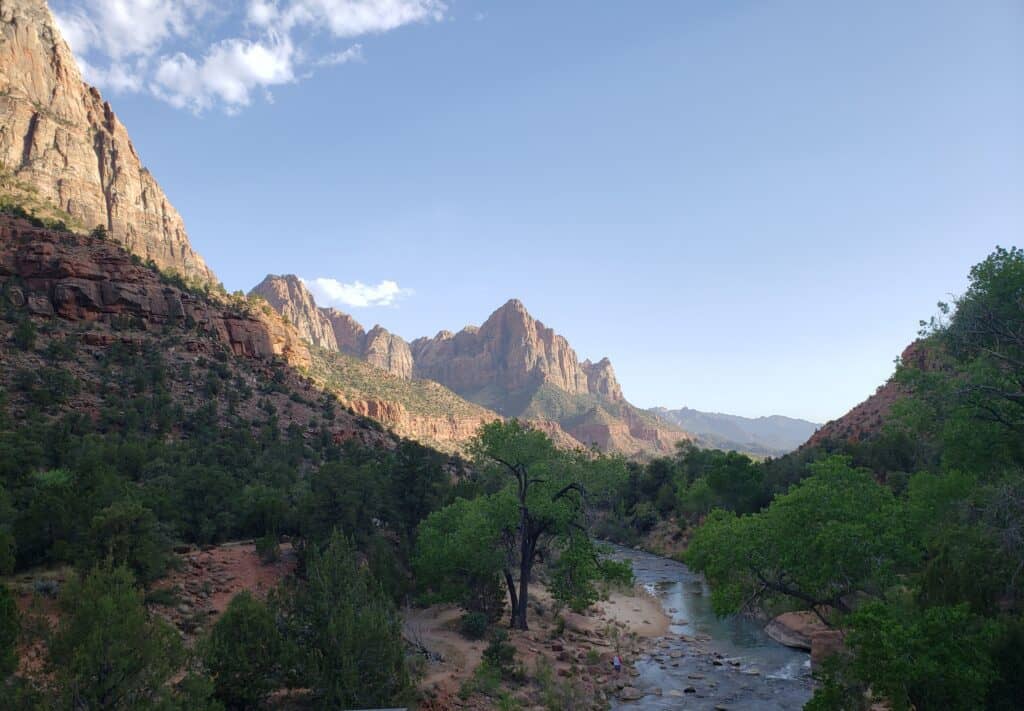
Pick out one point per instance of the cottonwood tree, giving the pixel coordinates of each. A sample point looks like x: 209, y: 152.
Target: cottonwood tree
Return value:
x: 539, y: 495
x: 836, y: 534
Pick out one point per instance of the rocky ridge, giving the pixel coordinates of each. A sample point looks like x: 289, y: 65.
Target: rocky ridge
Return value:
x: 333, y: 330
x: 60, y: 137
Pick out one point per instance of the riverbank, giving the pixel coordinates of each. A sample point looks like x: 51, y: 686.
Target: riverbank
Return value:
x: 713, y: 663
x: 564, y: 655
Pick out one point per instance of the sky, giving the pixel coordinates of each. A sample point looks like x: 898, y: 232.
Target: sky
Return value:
x: 747, y: 205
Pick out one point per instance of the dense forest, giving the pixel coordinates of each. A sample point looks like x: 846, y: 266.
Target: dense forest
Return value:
x: 910, y: 540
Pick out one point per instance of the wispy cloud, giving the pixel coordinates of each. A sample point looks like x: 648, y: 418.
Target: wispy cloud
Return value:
x: 352, y: 54
x: 331, y: 292
x: 150, y: 45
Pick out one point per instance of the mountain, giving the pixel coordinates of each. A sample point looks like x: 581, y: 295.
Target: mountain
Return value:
x: 60, y: 141
x: 512, y: 366
x: 333, y: 330
x: 518, y: 367
x: 763, y: 436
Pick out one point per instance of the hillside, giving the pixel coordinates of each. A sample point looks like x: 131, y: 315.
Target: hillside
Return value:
x: 760, y: 436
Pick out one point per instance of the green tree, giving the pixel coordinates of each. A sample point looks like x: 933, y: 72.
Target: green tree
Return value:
x: 539, y: 496
x: 930, y: 658
x: 106, y: 652
x: 126, y: 533
x: 345, y: 632
x: 835, y: 534
x: 244, y: 653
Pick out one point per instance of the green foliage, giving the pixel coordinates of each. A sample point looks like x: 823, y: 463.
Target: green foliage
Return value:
x: 244, y: 653
x: 836, y: 533
x: 473, y: 625
x: 106, y: 652
x: 344, y: 632
x: 930, y: 658
x: 267, y: 548
x: 127, y: 533
x: 578, y: 568
x: 499, y: 653
x: 10, y: 628
x: 536, y: 493
x: 25, y: 335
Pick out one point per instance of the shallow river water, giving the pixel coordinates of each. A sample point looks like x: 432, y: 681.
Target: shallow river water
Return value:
x: 708, y: 662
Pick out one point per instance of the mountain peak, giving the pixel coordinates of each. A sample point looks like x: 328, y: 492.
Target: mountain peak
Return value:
x: 62, y: 140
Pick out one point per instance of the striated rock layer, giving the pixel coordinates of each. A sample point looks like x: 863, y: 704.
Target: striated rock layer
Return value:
x: 77, y: 278
x: 59, y: 135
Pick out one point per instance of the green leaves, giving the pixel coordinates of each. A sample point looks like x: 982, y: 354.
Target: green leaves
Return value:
x: 836, y: 533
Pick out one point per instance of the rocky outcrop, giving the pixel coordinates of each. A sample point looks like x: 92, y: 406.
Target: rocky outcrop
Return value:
x: 78, y: 278
x: 59, y: 135
x: 601, y: 380
x: 388, y: 352
x: 805, y: 630
x: 333, y: 330
x: 290, y: 298
x: 510, y: 352
x: 437, y: 429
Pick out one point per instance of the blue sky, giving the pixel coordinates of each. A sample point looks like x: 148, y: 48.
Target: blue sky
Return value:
x: 747, y: 206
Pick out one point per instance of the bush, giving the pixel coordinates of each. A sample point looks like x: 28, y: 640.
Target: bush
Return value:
x: 106, y: 652
x: 346, y: 633
x: 25, y: 335
x: 243, y: 653
x: 267, y: 548
x: 499, y: 653
x: 473, y: 625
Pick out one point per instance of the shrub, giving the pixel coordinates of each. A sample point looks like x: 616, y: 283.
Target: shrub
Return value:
x: 473, y: 625
x: 499, y: 654
x: 9, y: 629
x: 267, y: 548
x: 106, y: 652
x: 243, y: 653
x: 25, y: 335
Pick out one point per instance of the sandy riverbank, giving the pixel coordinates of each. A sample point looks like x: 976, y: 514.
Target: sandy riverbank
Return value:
x: 580, y: 655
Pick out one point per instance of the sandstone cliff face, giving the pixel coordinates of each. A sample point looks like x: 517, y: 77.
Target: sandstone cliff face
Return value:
x: 58, y: 134
x: 601, y: 380
x: 388, y: 352
x: 290, y: 298
x: 333, y: 330
x: 77, y: 278
x: 349, y: 334
x: 511, y: 351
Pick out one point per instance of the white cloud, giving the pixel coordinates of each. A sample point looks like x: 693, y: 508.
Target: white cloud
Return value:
x: 357, y: 294
x: 118, y: 76
x: 144, y: 45
x: 228, y: 73
x: 127, y: 28
x: 352, y: 54
x: 346, y: 18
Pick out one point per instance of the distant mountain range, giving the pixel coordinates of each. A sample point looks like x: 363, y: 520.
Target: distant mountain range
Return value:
x: 762, y: 436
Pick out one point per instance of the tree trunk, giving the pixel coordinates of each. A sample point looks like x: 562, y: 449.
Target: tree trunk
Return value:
x: 512, y: 598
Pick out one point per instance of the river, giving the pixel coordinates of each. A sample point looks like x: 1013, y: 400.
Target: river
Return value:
x: 708, y: 662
